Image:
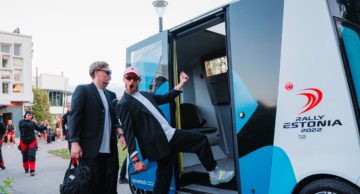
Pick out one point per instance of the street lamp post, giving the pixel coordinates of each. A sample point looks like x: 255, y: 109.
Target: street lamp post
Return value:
x: 160, y: 7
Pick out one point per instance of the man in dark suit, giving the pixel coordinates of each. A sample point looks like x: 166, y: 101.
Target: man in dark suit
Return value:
x: 142, y: 119
x: 93, y: 128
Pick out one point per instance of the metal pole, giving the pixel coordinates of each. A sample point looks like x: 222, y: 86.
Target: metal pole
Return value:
x: 37, y: 78
x: 160, y: 24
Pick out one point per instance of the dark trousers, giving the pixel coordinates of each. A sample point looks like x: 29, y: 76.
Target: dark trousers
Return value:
x: 123, y: 170
x: 182, y: 141
x: 28, y: 152
x: 104, y: 170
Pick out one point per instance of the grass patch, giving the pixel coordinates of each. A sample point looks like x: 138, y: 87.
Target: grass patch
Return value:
x: 122, y: 155
x: 64, y: 153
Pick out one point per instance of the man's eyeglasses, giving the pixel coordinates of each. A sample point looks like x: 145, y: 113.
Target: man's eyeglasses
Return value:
x: 108, y: 72
x: 129, y: 77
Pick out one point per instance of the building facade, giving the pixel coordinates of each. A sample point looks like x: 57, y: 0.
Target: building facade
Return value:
x: 15, y: 76
x: 57, y: 88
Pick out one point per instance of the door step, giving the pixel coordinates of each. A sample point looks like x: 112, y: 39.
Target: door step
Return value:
x: 201, y: 189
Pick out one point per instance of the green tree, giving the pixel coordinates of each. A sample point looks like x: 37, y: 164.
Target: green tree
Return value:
x: 41, y: 108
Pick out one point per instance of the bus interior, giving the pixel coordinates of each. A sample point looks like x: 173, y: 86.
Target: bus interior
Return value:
x: 205, y: 104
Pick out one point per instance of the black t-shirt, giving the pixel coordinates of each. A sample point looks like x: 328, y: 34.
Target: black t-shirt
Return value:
x: 43, y: 128
x: 27, y: 131
x: 10, y: 128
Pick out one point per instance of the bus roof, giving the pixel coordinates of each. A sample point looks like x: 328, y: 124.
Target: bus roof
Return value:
x: 213, y: 11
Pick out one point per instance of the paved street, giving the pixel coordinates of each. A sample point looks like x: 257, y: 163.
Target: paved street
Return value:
x: 50, y: 170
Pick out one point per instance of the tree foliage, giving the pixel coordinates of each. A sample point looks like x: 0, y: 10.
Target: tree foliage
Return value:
x: 41, y: 108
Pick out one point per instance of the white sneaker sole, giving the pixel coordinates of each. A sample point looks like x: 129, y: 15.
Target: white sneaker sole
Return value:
x: 216, y: 182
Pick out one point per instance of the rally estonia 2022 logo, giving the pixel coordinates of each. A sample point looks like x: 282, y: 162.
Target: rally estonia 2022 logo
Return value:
x: 314, y: 123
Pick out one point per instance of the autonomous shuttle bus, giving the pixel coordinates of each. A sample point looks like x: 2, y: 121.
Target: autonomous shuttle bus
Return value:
x: 274, y: 85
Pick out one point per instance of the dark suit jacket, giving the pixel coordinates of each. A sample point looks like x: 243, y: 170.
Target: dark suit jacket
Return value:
x: 138, y: 122
x: 87, y: 117
x: 2, y: 130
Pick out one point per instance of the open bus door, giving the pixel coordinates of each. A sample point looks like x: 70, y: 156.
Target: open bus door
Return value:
x: 150, y: 56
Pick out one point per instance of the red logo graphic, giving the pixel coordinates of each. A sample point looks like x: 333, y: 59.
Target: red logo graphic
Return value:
x: 314, y: 97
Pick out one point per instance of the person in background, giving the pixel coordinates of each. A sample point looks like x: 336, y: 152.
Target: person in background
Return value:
x: 10, y: 131
x: 44, y: 129
x: 58, y: 126
x: 122, y: 176
x: 142, y: 119
x: 93, y: 128
x: 65, y: 125
x: 2, y: 135
x: 28, y: 144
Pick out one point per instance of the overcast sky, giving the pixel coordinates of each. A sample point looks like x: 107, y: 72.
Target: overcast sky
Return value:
x: 69, y: 35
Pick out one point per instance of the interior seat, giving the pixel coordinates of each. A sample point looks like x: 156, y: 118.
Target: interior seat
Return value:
x: 190, y: 120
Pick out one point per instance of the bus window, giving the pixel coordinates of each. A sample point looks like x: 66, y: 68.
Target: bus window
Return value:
x: 351, y: 41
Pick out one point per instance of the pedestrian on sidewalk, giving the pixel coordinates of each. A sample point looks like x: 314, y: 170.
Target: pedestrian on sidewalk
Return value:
x: 65, y: 124
x: 122, y: 176
x: 43, y: 130
x: 59, y: 132
x: 10, y: 132
x: 2, y: 135
x: 28, y: 144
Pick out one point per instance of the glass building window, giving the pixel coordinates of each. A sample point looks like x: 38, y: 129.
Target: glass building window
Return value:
x: 17, y: 49
x: 5, y: 61
x: 5, y: 74
x: 56, y: 98
x: 5, y: 48
x: 17, y: 75
x: 5, y: 88
x: 18, y: 88
x: 17, y: 62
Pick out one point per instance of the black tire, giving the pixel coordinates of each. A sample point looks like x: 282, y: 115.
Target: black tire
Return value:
x: 329, y: 186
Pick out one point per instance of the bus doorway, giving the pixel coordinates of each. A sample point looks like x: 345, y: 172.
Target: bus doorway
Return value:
x: 205, y: 104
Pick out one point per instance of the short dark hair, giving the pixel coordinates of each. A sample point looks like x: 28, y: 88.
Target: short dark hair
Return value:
x: 28, y: 113
x: 96, y: 66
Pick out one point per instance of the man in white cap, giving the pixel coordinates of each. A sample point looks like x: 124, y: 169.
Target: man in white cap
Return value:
x: 142, y: 119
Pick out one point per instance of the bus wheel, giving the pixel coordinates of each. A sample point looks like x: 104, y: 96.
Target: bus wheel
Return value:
x: 329, y: 186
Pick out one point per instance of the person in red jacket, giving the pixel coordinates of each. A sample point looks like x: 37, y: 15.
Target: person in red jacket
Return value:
x: 28, y: 144
x: 2, y: 134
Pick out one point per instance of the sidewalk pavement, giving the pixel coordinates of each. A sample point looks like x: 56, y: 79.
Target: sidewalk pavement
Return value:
x: 49, y: 172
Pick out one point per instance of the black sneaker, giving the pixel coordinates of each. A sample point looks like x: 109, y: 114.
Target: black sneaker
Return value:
x: 32, y: 172
x: 26, y: 171
x: 2, y: 167
x: 123, y: 181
